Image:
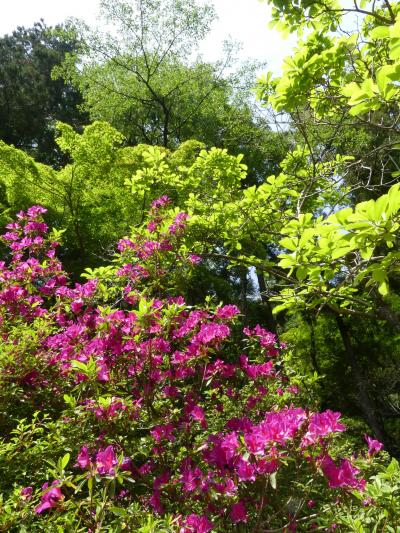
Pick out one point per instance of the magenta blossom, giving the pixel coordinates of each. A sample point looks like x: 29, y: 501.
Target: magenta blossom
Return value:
x: 194, y: 259
x: 197, y: 413
x: 179, y: 223
x: 163, y: 432
x: 155, y: 502
x: 50, y: 498
x: 227, y: 311
x: 160, y: 202
x: 374, y: 446
x: 245, y: 470
x: 26, y: 493
x: 83, y: 460
x: 196, y: 524
x: 321, y: 425
x: 35, y: 211
x: 343, y: 475
x: 238, y: 512
x: 191, y: 478
x: 106, y: 460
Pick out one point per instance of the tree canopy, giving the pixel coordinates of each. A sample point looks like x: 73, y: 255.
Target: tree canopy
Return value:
x: 30, y: 100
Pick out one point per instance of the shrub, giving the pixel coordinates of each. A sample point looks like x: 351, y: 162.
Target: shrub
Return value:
x: 127, y: 409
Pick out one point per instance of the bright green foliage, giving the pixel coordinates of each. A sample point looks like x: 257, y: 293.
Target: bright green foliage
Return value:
x: 143, y: 81
x: 338, y: 260
x: 332, y: 68
x: 324, y: 254
x: 89, y: 197
x: 149, y: 84
x: 293, y: 16
x: 84, y: 196
x: 383, y: 490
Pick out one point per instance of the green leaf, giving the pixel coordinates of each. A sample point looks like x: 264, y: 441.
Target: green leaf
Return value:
x: 379, y: 275
x: 288, y: 243
x: 385, y: 84
x: 341, y: 251
x: 65, y: 460
x: 342, y: 215
x: 394, y: 49
x: 360, y: 109
x: 118, y: 511
x: 70, y: 400
x: 301, y: 273
x: 380, y: 206
x: 383, y: 288
x: 380, y: 32
x: 78, y: 365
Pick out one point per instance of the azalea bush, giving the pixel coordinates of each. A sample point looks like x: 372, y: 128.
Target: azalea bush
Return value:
x: 124, y: 408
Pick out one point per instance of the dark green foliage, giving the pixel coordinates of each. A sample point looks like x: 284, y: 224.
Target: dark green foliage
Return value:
x: 30, y: 101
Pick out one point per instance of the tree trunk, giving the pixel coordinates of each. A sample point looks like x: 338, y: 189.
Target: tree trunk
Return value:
x: 386, y: 313
x: 366, y: 404
x: 269, y: 317
x: 313, y: 348
x: 244, y: 284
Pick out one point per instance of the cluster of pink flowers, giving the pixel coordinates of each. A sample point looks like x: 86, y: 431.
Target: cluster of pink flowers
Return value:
x: 321, y: 425
x: 105, y: 461
x: 208, y: 412
x: 267, y: 340
x: 32, y: 262
x: 343, y: 475
x: 109, y: 410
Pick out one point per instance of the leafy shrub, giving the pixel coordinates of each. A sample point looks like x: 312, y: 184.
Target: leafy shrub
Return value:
x: 127, y: 409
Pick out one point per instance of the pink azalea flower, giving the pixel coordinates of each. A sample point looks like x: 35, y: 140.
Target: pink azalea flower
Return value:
x: 155, y: 502
x: 374, y: 446
x: 321, y: 425
x: 160, y: 202
x: 196, y: 524
x: 152, y: 226
x: 179, y: 223
x: 230, y: 444
x: 146, y: 468
x: 194, y: 259
x: 267, y: 467
x: 341, y: 476
x: 26, y: 493
x: 162, y: 479
x: 163, y: 432
x: 123, y: 244
x: 83, y: 460
x: 245, y: 470
x: 103, y: 374
x: 35, y: 211
x: 211, y: 332
x: 127, y: 465
x: 50, y: 498
x: 238, y: 512
x: 106, y: 460
x: 77, y: 305
x: 197, y: 413
x: 227, y: 311
x: 191, y: 478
